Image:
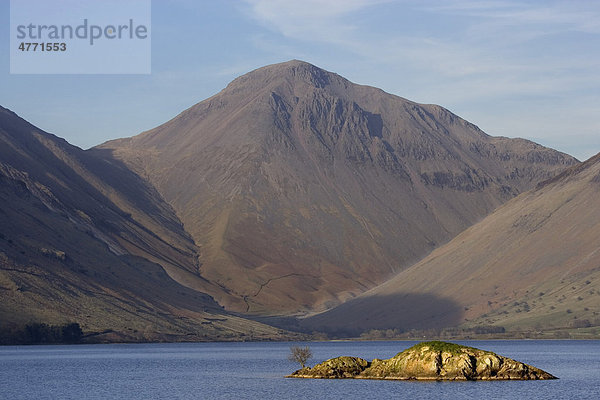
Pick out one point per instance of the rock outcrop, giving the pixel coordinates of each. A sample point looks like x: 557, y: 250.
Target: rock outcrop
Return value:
x: 428, y: 361
x: 340, y: 367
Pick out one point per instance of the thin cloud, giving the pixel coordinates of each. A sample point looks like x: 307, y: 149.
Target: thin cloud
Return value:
x: 273, y: 10
x: 309, y: 19
x: 559, y: 16
x: 490, y: 46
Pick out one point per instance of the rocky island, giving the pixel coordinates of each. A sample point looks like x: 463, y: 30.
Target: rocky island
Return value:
x: 427, y: 361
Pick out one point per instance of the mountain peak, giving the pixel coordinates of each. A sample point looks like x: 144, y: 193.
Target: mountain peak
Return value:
x: 297, y: 180
x: 293, y: 71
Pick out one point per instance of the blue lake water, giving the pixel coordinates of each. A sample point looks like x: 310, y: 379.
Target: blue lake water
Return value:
x: 256, y: 370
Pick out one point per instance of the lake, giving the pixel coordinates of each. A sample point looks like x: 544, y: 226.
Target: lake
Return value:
x: 256, y: 370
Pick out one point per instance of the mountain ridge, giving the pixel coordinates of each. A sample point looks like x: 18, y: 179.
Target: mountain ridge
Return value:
x: 86, y: 241
x: 531, y: 265
x: 310, y: 189
x: 291, y: 192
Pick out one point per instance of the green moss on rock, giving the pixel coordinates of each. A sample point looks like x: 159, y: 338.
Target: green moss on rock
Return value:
x: 439, y: 346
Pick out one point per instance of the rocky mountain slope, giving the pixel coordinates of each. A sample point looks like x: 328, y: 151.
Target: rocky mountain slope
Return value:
x: 85, y: 240
x: 532, y: 264
x: 303, y: 190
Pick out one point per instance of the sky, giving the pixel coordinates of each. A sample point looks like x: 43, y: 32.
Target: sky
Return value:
x: 524, y: 68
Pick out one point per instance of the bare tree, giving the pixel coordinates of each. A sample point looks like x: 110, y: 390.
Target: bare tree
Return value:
x: 300, y: 354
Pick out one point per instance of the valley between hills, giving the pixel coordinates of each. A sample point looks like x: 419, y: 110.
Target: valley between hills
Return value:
x: 297, y: 204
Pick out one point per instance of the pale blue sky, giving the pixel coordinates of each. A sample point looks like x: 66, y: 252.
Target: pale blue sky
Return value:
x: 515, y: 68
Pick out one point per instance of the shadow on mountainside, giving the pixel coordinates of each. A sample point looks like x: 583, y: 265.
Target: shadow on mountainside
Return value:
x: 403, y: 312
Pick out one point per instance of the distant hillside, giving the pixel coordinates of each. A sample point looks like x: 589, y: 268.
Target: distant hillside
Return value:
x: 85, y: 240
x: 302, y: 189
x: 532, y: 264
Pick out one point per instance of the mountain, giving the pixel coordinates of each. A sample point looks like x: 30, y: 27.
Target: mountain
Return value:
x: 533, y: 264
x: 302, y: 189
x: 88, y: 241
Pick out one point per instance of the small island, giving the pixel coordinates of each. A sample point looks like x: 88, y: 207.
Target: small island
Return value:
x: 427, y: 361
